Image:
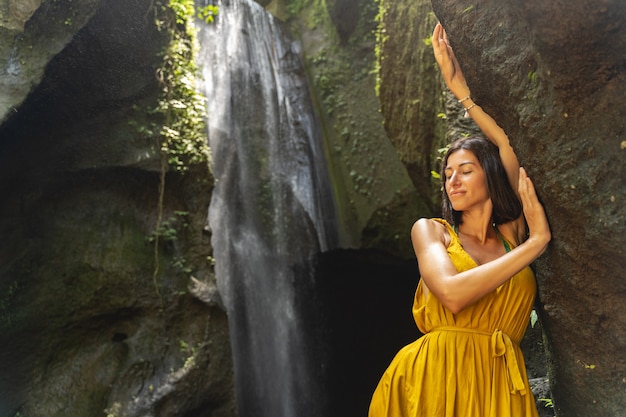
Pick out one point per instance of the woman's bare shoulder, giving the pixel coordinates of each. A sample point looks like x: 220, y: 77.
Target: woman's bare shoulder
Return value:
x: 426, y: 230
x: 426, y: 224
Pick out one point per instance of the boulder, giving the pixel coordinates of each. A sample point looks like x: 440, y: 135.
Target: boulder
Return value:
x: 552, y: 75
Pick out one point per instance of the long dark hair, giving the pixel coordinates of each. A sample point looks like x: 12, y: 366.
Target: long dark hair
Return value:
x: 506, y: 205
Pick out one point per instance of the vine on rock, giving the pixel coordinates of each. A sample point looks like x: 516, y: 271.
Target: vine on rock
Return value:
x: 181, y: 108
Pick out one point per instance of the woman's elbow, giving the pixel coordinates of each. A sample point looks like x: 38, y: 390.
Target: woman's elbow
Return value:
x: 454, y: 307
x: 452, y: 303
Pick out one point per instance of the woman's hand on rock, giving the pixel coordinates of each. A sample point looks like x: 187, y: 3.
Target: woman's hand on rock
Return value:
x: 538, y: 227
x: 448, y: 64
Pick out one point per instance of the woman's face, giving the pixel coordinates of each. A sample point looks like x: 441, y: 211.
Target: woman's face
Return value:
x: 465, y: 182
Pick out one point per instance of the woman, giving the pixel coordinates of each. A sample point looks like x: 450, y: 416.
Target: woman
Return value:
x: 476, y: 290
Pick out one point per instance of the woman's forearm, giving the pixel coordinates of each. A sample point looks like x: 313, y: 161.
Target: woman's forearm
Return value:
x: 487, y: 124
x: 495, y: 134
x: 459, y: 290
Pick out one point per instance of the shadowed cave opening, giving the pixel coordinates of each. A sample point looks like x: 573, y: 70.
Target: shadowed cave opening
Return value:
x: 365, y: 299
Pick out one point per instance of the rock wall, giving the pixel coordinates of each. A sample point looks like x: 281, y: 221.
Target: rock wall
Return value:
x: 377, y: 198
x: 86, y: 326
x: 412, y: 101
x: 25, y: 50
x: 552, y: 74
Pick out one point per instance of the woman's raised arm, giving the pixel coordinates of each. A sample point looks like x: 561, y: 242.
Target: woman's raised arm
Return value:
x: 455, y: 80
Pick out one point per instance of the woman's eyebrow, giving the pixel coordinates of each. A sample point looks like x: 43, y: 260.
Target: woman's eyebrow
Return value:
x: 448, y: 168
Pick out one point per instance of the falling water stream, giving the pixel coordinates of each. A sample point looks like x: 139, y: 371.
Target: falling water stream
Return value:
x: 272, y: 208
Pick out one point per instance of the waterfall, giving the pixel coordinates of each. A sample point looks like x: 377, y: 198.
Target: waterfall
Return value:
x: 271, y: 211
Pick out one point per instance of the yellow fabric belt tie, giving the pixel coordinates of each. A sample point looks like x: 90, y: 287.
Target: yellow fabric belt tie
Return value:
x: 502, y: 345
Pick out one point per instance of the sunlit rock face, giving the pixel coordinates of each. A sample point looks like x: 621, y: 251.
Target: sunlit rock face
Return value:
x: 16, y: 13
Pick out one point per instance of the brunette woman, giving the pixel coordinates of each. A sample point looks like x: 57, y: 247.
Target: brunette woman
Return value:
x: 476, y: 291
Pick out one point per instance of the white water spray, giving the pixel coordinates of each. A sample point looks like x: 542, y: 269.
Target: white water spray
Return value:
x: 272, y: 208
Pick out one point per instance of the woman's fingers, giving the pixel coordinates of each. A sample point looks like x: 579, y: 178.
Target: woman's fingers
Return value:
x: 439, y: 41
x: 437, y: 34
x: 533, y: 210
x: 526, y: 190
x: 447, y: 62
x: 436, y: 31
x: 439, y: 46
x: 522, y: 184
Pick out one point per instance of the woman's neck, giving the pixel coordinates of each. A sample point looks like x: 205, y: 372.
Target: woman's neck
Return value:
x: 477, y: 224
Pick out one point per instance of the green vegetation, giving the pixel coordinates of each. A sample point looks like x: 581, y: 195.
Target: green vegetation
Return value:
x: 168, y: 229
x: 329, y: 80
x: 342, y: 73
x: 316, y: 14
x: 181, y: 105
x: 381, y: 38
x: 533, y: 318
x: 181, y: 109
x: 207, y: 13
x: 191, y: 351
x: 441, y: 152
x: 547, y: 402
x: 294, y: 7
x: 343, y: 70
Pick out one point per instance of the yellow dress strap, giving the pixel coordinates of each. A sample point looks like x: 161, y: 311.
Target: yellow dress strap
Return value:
x: 502, y: 345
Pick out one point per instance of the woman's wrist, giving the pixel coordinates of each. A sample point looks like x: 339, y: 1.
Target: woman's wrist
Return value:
x: 465, y: 98
x: 538, y: 241
x: 468, y: 104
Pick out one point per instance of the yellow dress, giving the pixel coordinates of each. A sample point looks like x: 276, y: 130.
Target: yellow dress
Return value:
x: 467, y: 364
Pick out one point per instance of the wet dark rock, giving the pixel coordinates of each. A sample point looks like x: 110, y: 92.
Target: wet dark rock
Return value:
x: 86, y: 328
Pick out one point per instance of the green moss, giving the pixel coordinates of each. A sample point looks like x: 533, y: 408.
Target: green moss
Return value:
x: 178, y: 120
x: 181, y: 106
x: 381, y: 38
x: 313, y: 11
